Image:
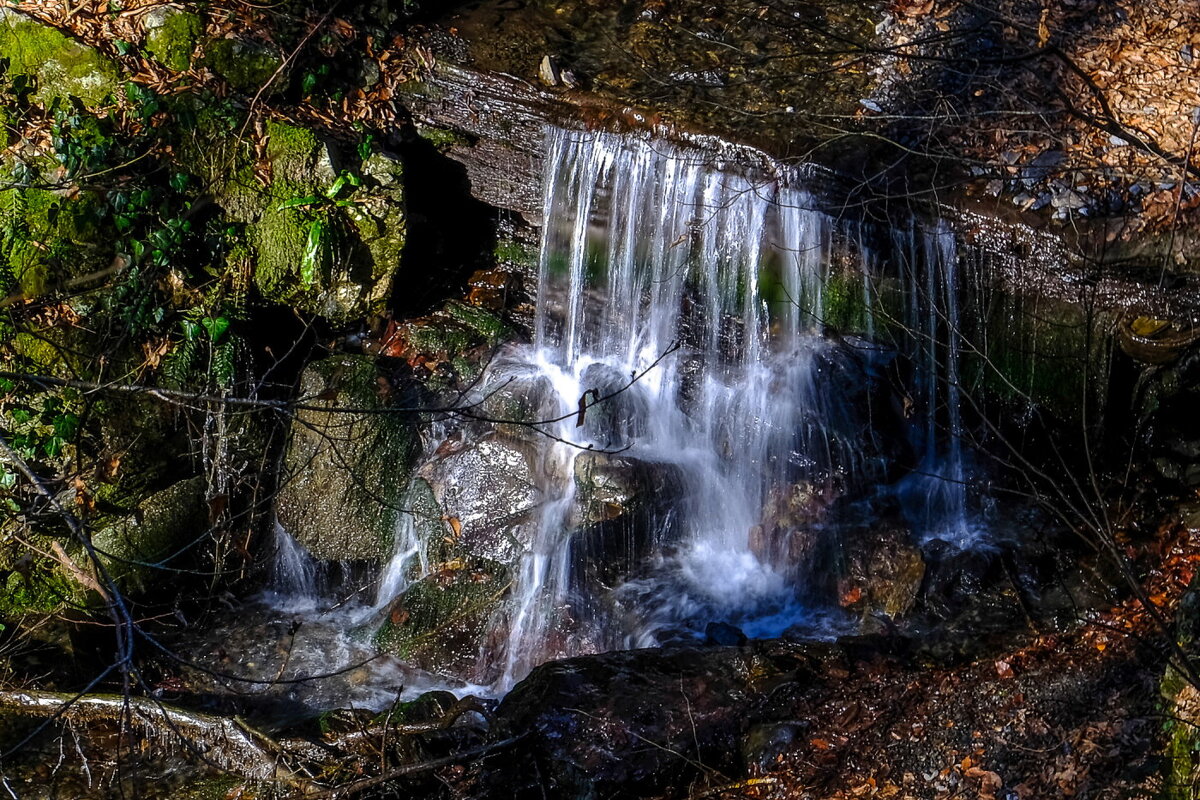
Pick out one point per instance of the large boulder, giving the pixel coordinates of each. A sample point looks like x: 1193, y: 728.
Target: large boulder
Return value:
x: 344, y: 475
x: 633, y: 723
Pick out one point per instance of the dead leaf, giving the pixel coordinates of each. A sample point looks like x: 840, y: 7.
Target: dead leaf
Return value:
x: 1043, y: 28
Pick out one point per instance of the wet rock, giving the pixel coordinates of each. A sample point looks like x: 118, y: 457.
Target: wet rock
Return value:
x: 885, y: 571
x: 616, y: 412
x: 490, y: 487
x: 492, y: 289
x: 790, y: 533
x: 439, y: 623
x: 620, y: 514
x: 609, y: 485
x: 587, y: 721
x: 766, y: 743
x: 344, y: 475
x: 722, y: 634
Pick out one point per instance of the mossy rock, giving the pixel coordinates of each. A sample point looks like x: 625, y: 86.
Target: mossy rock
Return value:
x: 247, y: 66
x: 441, y: 621
x: 164, y: 524
x: 35, y: 586
x: 382, y: 223
x: 345, y: 474
x: 332, y: 260
x: 46, y: 238
x: 61, y: 66
x: 172, y: 35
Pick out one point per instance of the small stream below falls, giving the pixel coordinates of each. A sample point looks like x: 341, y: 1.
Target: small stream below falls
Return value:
x: 724, y: 380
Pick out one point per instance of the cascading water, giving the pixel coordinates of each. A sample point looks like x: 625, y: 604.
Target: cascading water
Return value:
x: 711, y: 394
x: 680, y: 336
x: 646, y: 248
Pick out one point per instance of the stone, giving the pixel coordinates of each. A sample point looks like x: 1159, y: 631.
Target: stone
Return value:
x: 335, y: 261
x: 586, y: 721
x: 61, y: 66
x: 163, y: 524
x: 490, y: 487
x: 885, y: 571
x: 440, y: 622
x: 344, y: 479
x: 247, y: 66
x: 172, y: 35
x: 609, y: 485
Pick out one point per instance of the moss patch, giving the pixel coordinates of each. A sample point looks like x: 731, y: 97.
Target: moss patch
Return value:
x: 61, y: 66
x: 46, y: 238
x: 171, y: 37
x: 248, y: 66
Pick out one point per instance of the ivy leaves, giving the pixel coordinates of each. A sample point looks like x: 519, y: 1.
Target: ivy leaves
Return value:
x: 318, y: 229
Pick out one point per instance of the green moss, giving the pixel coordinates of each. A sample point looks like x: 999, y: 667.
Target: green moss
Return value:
x: 487, y: 325
x: 61, y: 66
x: 442, y: 138
x: 513, y: 253
x: 844, y: 307
x: 172, y: 36
x: 444, y: 613
x: 437, y: 335
x: 247, y: 66
x: 1047, y: 351
x: 380, y: 217
x: 280, y: 239
x: 294, y: 153
x: 46, y: 238
x: 37, y: 589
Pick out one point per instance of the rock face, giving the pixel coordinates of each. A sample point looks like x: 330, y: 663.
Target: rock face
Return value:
x: 345, y: 475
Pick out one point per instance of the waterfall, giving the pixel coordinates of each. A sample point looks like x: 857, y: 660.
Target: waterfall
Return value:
x: 702, y: 324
